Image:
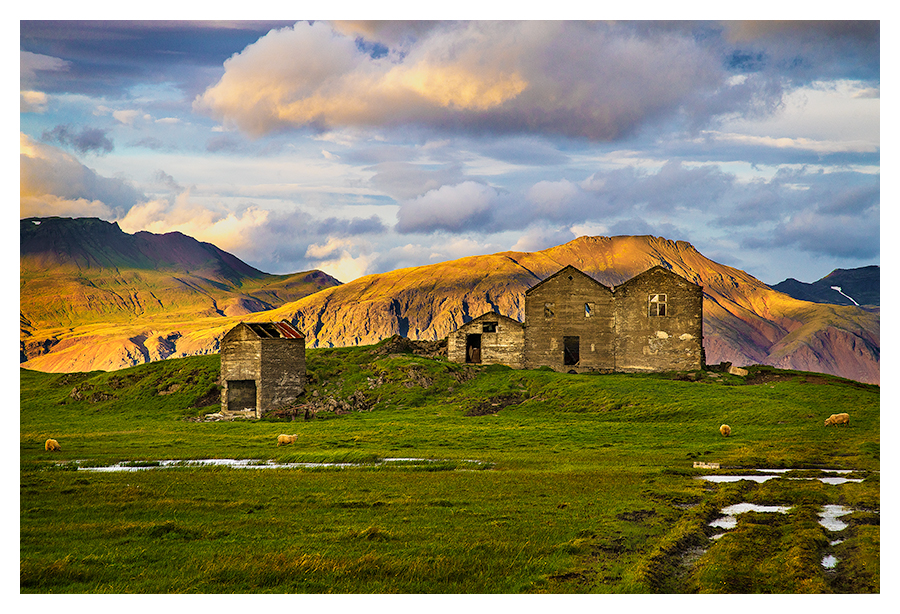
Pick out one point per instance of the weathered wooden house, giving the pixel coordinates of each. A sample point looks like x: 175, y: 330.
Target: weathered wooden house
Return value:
x: 573, y: 323
x: 489, y: 339
x: 263, y: 366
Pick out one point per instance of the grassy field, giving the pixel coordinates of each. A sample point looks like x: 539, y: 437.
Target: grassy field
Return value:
x: 583, y: 483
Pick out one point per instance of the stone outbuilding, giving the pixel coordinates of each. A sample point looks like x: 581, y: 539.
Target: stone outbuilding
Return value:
x: 489, y: 339
x: 263, y: 366
x: 573, y: 323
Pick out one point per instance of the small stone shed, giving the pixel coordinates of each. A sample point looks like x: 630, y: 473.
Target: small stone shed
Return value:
x: 263, y: 366
x: 489, y: 339
x: 573, y: 323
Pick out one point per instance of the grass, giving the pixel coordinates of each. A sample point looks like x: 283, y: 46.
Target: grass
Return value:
x: 585, y: 482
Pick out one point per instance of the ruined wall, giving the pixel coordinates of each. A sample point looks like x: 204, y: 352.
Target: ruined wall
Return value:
x: 570, y: 309
x: 659, y: 323
x: 282, y: 372
x: 240, y: 361
x: 501, y: 340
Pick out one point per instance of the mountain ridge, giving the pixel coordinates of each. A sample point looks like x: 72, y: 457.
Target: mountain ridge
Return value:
x: 745, y: 321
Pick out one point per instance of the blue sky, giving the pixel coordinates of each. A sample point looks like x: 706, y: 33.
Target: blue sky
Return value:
x: 361, y: 147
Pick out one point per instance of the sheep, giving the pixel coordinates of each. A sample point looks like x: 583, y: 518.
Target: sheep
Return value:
x: 838, y: 419
x: 51, y: 445
x: 725, y: 430
x: 284, y: 440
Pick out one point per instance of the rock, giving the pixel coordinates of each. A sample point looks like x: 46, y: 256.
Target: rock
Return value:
x: 737, y: 371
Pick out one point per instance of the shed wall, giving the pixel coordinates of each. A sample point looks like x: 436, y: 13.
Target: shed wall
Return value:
x: 505, y: 346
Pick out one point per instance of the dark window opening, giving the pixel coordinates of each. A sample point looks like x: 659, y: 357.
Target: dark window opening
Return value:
x: 657, y: 304
x: 548, y: 310
x: 489, y: 327
x: 570, y: 351
x: 473, y: 348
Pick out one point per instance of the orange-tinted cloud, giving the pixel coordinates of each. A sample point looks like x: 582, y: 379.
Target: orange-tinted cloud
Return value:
x: 553, y: 77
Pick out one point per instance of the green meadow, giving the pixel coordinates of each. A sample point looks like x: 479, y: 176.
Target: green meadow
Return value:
x: 452, y: 479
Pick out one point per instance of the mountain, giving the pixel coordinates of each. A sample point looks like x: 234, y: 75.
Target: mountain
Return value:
x: 860, y: 286
x: 745, y: 321
x: 88, y: 272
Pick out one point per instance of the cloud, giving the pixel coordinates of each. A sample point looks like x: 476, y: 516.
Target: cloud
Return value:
x: 228, y: 230
x: 32, y: 102
x: 88, y: 140
x: 405, y: 180
x: 542, y: 238
x: 560, y: 78
x: 49, y: 177
x: 453, y: 208
x: 31, y: 63
x: 335, y: 258
x: 815, y: 232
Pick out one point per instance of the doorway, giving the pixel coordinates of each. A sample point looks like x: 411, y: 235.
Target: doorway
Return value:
x: 473, y: 348
x: 570, y: 351
x: 241, y: 394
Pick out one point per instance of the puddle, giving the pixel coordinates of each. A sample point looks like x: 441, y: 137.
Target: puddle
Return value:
x: 232, y: 463
x: 772, y: 474
x: 729, y: 520
x: 829, y: 561
x: 829, y: 515
x: 720, y: 479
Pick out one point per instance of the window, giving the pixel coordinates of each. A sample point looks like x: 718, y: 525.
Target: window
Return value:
x: 548, y: 310
x: 489, y: 327
x: 588, y: 309
x: 657, y: 305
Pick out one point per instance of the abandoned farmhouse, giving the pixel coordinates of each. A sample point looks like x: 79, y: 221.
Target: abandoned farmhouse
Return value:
x: 263, y: 366
x: 573, y: 323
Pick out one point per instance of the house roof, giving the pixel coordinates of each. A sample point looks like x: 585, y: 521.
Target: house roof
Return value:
x: 274, y: 330
x: 568, y: 269
x: 490, y: 315
x: 658, y: 269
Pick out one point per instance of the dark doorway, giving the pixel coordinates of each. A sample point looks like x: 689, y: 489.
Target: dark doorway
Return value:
x: 570, y: 351
x: 473, y: 348
x: 241, y: 394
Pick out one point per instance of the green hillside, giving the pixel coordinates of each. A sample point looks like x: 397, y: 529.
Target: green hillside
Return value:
x: 503, y: 481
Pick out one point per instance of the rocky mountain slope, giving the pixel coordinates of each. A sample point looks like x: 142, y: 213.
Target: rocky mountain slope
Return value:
x: 745, y: 321
x: 85, y: 272
x: 860, y: 286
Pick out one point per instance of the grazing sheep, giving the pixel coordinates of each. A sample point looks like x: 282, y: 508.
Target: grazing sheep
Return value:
x: 838, y: 419
x: 725, y: 430
x: 284, y: 440
x: 51, y: 445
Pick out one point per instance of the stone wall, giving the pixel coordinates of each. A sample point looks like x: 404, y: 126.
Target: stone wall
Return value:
x: 570, y: 324
x: 261, y: 374
x: 659, y: 323
x: 498, y: 339
x: 282, y: 372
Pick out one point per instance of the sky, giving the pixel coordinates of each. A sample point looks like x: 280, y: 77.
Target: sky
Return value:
x: 360, y: 147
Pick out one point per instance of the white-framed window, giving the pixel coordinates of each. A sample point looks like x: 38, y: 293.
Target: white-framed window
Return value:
x: 588, y: 310
x: 657, y: 305
x: 548, y: 310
